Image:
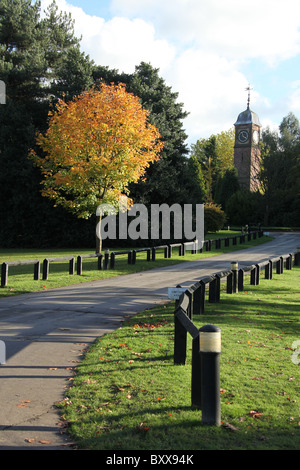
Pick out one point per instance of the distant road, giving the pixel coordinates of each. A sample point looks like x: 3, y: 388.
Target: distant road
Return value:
x: 46, y: 332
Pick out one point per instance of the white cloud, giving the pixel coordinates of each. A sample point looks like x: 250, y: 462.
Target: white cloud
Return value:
x: 211, y: 89
x: 199, y: 47
x: 120, y: 42
x: 124, y: 43
x: 267, y: 29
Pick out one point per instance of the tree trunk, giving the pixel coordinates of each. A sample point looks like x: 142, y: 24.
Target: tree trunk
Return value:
x: 98, y: 234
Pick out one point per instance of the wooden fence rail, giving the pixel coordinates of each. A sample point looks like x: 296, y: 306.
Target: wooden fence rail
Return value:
x: 116, y: 253
x: 104, y: 263
x: 4, y: 269
x: 47, y: 261
x: 99, y: 256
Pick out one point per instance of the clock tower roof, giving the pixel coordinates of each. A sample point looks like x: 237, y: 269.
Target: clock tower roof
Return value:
x: 248, y: 117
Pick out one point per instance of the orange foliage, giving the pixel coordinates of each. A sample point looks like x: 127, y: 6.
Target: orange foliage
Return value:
x: 94, y: 147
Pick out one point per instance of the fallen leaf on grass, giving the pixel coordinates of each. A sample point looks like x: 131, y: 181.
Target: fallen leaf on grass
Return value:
x: 255, y: 414
x: 142, y: 428
x: 230, y: 427
x: 89, y: 381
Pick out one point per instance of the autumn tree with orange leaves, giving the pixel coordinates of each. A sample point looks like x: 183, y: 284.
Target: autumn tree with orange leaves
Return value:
x: 95, y: 145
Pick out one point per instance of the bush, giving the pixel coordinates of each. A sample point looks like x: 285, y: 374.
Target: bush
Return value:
x: 214, y: 217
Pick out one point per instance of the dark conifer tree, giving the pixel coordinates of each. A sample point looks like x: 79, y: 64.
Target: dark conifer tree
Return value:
x: 36, y: 58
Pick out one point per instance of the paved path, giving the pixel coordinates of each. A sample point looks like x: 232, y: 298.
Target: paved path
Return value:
x: 46, y: 333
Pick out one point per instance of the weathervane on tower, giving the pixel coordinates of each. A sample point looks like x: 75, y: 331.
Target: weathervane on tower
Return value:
x: 249, y: 90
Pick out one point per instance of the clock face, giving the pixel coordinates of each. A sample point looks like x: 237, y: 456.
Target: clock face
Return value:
x: 255, y: 137
x: 243, y: 136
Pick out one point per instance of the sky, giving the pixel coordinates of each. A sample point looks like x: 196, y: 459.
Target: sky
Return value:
x: 208, y: 51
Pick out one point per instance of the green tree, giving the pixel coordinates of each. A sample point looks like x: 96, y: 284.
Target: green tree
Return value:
x: 226, y: 186
x: 225, y: 150
x: 214, y: 217
x: 244, y: 207
x: 74, y: 75
x: 215, y: 155
x: 280, y: 170
x: 195, y: 184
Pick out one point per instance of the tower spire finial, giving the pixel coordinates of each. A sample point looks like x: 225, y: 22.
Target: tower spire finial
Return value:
x: 249, y: 90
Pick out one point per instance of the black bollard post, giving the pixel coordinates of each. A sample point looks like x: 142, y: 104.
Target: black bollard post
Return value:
x: 100, y: 261
x: 202, y: 297
x: 271, y: 269
x: 112, y: 260
x: 36, y: 271
x: 241, y: 277
x: 197, y: 299
x: 253, y: 277
x: 106, y: 258
x: 4, y: 274
x: 288, y: 263
x: 257, y: 273
x: 210, y: 349
x: 72, y: 266
x: 45, y: 269
x: 79, y: 265
x: 234, y: 268
x: 212, y: 296
x: 180, y: 342
x: 180, y: 338
x: 268, y: 270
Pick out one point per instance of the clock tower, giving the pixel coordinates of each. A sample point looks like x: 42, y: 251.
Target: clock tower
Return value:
x: 246, y: 148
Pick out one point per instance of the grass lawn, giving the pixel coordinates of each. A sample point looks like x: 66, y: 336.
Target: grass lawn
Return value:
x: 127, y: 394
x: 20, y: 278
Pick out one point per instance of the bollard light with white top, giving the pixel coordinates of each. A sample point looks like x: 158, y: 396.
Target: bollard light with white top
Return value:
x: 210, y: 350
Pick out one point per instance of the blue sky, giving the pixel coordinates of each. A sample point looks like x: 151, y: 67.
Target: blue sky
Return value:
x: 206, y: 50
